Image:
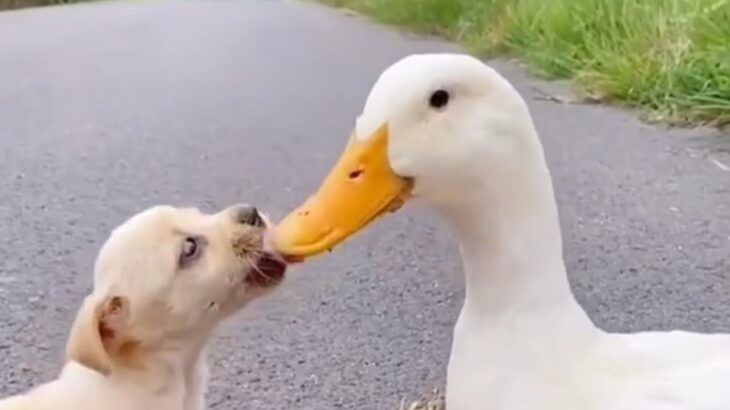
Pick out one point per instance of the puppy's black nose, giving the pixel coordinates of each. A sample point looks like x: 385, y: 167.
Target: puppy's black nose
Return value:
x: 248, y: 214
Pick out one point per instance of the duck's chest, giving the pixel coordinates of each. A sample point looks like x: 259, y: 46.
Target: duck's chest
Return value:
x: 496, y: 369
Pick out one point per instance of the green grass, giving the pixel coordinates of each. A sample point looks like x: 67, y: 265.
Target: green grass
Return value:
x: 670, y: 58
x: 18, y: 4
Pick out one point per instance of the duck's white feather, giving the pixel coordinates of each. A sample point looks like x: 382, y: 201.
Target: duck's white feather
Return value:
x: 522, y: 342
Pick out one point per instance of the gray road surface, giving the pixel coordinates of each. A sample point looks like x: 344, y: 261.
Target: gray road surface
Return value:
x: 106, y: 108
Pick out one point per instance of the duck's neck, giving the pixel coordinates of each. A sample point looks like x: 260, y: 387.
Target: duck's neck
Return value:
x: 511, y: 246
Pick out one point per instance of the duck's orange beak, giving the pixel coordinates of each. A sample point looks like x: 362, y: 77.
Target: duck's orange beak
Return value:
x: 360, y: 187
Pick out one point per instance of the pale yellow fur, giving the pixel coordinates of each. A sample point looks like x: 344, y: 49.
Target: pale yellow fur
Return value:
x: 139, y: 338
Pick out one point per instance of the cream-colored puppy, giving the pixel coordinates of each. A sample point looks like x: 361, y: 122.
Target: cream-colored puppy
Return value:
x: 162, y: 282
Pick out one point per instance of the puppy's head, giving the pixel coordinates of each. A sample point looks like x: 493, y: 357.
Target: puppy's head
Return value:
x: 166, y: 277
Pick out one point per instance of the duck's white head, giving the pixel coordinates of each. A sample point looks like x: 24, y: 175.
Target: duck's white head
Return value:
x: 445, y: 128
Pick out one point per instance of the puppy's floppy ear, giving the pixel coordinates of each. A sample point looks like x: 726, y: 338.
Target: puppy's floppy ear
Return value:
x: 97, y: 331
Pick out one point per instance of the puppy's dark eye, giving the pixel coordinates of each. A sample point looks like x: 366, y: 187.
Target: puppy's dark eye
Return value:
x: 191, y: 249
x: 439, y: 99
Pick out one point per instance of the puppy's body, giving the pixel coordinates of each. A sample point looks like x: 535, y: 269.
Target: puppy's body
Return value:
x: 162, y: 283
x: 81, y: 388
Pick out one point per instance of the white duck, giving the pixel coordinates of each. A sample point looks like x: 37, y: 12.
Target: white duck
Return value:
x: 452, y: 132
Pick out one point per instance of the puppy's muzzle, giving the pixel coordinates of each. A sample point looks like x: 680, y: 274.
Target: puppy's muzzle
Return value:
x: 248, y: 215
x: 269, y: 268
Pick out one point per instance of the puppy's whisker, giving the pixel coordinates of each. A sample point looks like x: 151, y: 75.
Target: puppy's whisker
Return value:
x: 247, y: 252
x: 255, y: 267
x: 264, y: 274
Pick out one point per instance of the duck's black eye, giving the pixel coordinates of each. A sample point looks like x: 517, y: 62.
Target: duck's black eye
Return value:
x: 190, y: 251
x: 439, y: 99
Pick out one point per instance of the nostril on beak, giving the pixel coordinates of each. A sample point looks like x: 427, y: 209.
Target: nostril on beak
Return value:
x: 248, y: 215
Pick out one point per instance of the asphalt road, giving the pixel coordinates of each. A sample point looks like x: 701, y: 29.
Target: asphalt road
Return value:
x: 107, y: 108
